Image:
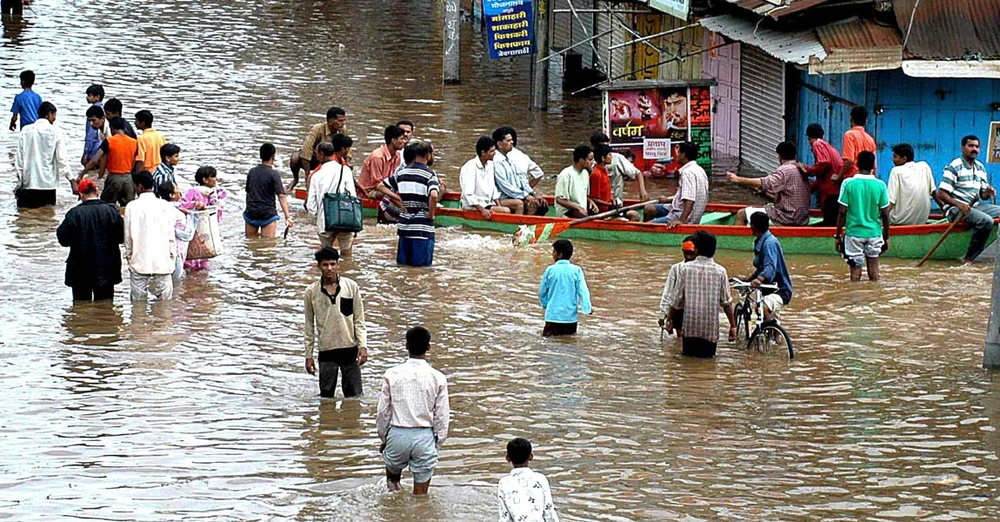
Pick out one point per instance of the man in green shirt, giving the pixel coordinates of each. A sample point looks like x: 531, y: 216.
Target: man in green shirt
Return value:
x: 573, y: 186
x: 864, y: 209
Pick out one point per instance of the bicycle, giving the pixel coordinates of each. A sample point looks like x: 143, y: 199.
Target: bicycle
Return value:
x: 768, y: 337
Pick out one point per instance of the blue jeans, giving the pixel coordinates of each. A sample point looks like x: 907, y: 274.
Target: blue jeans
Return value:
x: 664, y: 214
x: 981, y: 219
x: 415, y: 251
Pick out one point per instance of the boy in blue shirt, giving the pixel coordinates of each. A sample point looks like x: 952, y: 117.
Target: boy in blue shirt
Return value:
x: 25, y: 104
x: 562, y: 291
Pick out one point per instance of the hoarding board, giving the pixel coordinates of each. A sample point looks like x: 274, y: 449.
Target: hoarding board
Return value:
x: 510, y: 28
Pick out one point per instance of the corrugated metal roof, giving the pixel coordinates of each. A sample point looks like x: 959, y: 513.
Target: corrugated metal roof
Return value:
x: 856, y: 45
x: 777, y: 8
x: 794, y: 47
x: 952, y: 30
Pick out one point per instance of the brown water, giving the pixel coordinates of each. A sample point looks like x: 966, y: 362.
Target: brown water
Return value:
x: 199, y: 408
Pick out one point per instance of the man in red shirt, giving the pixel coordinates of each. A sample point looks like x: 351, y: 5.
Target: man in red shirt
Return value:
x: 828, y: 163
x: 856, y: 140
x: 600, y: 182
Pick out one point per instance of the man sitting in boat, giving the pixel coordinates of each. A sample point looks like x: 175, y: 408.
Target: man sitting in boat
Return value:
x: 305, y: 158
x: 691, y: 198
x: 910, y: 187
x: 619, y: 169
x: 479, y: 189
x: 600, y: 184
x: 379, y: 165
x: 786, y: 186
x: 573, y: 186
x: 510, y: 180
x: 963, y: 184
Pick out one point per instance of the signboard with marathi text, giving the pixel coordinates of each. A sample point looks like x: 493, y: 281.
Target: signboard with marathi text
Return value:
x: 510, y: 28
x: 675, y: 8
x: 652, y: 122
x: 993, y: 151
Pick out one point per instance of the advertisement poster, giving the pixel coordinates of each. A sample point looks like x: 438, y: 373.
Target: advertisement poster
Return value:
x: 509, y: 28
x: 652, y: 122
x: 993, y: 150
x: 675, y: 8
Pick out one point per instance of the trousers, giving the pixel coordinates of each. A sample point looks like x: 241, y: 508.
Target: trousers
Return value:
x: 981, y: 219
x: 344, y: 361
x: 160, y: 286
x: 100, y: 293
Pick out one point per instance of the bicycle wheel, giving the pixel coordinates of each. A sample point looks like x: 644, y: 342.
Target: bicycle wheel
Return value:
x: 742, y: 314
x: 770, y: 338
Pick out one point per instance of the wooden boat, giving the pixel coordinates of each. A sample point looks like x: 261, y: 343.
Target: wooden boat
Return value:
x: 907, y: 242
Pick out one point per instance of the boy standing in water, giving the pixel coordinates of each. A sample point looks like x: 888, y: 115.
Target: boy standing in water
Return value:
x: 563, y: 291
x: 25, y: 104
x: 667, y: 300
x: 523, y: 495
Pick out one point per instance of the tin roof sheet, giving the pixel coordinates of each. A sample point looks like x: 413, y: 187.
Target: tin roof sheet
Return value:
x: 952, y: 30
x: 794, y: 47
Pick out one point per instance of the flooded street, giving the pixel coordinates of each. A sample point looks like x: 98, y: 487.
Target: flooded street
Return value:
x: 199, y: 408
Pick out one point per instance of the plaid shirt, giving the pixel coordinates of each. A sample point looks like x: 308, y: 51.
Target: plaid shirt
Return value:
x: 791, y: 196
x: 702, y: 287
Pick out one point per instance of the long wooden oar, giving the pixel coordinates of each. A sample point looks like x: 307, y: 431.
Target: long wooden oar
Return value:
x: 529, y: 235
x: 961, y: 216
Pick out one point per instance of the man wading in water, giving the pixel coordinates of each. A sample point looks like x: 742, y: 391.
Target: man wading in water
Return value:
x: 334, y: 311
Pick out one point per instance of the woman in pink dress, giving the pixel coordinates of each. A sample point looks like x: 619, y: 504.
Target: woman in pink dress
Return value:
x: 206, y: 194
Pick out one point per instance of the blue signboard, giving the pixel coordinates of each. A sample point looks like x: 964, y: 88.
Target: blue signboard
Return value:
x: 510, y: 28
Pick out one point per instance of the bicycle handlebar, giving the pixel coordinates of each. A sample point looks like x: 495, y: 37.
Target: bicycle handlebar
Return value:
x: 738, y: 284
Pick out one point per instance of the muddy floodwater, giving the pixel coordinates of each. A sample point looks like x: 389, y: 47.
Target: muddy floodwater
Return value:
x: 199, y: 408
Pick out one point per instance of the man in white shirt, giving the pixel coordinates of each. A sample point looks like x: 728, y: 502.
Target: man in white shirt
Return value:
x: 910, y: 187
x: 40, y: 157
x: 479, y: 188
x: 333, y: 176
x: 149, y: 241
x: 412, y: 418
x: 523, y: 495
x: 521, y: 160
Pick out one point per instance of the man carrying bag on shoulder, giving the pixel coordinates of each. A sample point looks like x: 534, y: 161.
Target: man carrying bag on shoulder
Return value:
x: 332, y: 196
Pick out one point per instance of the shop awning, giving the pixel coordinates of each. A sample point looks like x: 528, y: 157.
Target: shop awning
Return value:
x: 857, y: 45
x: 792, y: 47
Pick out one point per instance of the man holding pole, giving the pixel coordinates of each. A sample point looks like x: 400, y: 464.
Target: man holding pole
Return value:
x: 963, y: 185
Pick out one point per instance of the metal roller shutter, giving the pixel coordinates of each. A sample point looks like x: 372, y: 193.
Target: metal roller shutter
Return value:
x: 762, y: 108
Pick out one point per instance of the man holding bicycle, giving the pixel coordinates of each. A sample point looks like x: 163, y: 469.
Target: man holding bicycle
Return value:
x: 769, y: 266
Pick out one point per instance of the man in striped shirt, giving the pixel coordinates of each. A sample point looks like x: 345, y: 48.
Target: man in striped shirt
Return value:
x: 415, y: 190
x: 963, y: 184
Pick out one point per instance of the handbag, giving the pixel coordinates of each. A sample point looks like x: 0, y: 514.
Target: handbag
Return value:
x: 207, y: 240
x: 341, y: 210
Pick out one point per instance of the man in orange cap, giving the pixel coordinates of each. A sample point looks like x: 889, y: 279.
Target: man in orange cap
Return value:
x: 689, y: 252
x: 92, y: 230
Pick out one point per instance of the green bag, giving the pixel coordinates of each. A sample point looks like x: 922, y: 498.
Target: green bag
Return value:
x: 341, y: 210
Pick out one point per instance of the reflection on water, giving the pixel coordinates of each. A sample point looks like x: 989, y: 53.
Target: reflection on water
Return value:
x: 200, y: 408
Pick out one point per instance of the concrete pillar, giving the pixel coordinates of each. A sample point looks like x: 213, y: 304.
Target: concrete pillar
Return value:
x: 452, y: 49
x: 540, y: 71
x: 991, y: 353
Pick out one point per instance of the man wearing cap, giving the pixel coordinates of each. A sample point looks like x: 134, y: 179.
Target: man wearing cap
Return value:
x: 92, y: 230
x: 690, y: 253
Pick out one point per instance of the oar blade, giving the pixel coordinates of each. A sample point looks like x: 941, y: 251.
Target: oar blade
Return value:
x: 529, y: 235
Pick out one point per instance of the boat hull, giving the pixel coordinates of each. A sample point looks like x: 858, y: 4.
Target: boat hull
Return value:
x: 906, y: 242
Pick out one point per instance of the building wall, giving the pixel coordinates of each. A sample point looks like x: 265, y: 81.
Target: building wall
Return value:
x: 931, y: 114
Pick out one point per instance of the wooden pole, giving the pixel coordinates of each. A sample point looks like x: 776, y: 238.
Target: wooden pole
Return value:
x: 540, y: 71
x: 452, y: 49
x: 991, y: 352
